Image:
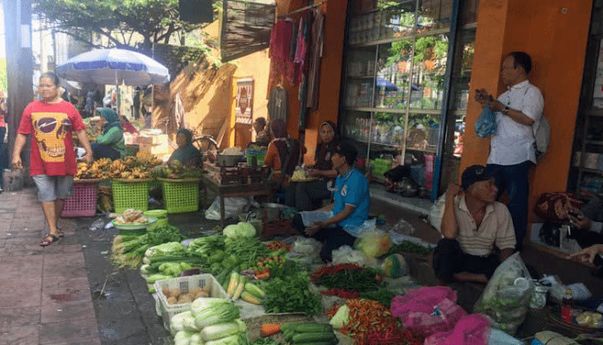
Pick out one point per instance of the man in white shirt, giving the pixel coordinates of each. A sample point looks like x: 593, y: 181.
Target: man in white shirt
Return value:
x: 512, y: 148
x: 472, y: 225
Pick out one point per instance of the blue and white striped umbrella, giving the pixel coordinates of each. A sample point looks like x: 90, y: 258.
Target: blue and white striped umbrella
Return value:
x: 114, y: 67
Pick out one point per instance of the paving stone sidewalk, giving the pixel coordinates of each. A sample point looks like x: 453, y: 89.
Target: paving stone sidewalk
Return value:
x: 45, y: 295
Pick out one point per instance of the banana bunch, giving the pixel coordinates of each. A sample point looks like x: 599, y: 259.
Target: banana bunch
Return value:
x: 99, y: 169
x: 132, y: 168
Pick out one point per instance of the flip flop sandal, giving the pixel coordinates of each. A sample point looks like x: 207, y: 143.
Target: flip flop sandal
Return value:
x: 61, y: 234
x: 49, y: 239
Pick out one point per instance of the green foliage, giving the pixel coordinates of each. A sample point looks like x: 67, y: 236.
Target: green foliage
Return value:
x: 119, y: 21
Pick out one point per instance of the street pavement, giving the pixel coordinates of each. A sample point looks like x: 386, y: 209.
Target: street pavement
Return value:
x: 44, y: 292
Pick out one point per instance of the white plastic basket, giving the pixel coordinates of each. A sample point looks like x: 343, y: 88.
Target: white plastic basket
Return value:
x: 185, y: 284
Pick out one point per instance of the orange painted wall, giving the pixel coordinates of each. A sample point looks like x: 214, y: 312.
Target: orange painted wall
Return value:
x: 330, y: 74
x: 554, y: 33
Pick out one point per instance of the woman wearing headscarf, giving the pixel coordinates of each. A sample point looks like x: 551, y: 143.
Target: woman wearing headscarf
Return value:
x: 110, y: 144
x: 283, y: 153
x: 186, y: 153
x: 310, y: 195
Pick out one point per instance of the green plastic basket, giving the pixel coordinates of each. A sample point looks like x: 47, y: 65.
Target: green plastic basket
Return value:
x: 180, y: 196
x: 130, y: 194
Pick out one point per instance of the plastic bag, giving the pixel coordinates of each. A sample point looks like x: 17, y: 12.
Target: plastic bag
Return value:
x: 347, y: 255
x: 469, y: 330
x: 428, y: 310
x: 506, y: 298
x: 498, y: 337
x: 485, y: 125
x: 373, y: 243
x: 436, y: 213
x: 232, y: 208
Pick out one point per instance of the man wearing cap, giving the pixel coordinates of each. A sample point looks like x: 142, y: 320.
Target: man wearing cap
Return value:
x: 473, y: 224
x: 340, y: 223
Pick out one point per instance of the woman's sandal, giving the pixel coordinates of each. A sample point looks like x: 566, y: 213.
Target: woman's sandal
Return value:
x: 49, y: 239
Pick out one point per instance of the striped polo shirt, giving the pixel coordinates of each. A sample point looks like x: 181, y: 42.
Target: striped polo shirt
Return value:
x: 496, y: 229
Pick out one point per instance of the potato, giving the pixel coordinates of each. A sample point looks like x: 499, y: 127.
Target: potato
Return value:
x: 172, y: 300
x: 166, y: 292
x: 185, y: 298
x: 175, y: 292
x: 201, y: 293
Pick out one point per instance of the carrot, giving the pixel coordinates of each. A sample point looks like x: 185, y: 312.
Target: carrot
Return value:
x: 269, y: 329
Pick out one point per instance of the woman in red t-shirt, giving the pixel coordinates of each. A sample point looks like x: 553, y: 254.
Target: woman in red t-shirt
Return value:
x: 51, y: 121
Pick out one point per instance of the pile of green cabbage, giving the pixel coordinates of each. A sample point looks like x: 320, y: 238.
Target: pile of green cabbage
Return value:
x: 211, y: 321
x: 240, y: 230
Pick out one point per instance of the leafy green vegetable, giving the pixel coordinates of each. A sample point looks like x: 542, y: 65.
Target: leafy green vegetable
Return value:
x: 240, y: 230
x: 246, y: 250
x: 409, y: 247
x: 291, y: 294
x: 383, y: 296
x: 265, y: 341
x: 216, y: 312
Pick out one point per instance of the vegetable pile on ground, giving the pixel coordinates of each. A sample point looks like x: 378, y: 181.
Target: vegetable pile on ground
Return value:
x: 165, y: 261
x: 291, y: 294
x: 368, y: 322
x: 128, y: 251
x: 309, y: 333
x: 410, y: 247
x: 349, y: 277
x: 239, y: 287
x: 211, y: 321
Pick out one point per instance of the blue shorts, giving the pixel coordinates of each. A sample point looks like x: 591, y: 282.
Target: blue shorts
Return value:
x: 51, y: 188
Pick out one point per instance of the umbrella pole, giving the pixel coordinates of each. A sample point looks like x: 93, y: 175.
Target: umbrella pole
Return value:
x: 118, y: 94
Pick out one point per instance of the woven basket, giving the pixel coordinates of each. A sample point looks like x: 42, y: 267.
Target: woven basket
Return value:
x: 180, y: 195
x: 82, y: 202
x: 130, y: 194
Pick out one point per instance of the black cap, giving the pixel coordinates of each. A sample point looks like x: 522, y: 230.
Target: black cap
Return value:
x: 348, y: 151
x: 474, y: 173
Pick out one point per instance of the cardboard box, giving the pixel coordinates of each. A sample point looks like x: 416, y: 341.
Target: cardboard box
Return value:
x: 159, y: 139
x: 155, y: 149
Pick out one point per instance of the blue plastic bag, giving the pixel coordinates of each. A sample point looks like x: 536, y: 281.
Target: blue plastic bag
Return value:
x: 486, y: 123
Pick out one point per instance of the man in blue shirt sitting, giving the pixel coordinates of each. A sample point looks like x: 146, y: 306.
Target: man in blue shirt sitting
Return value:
x: 340, y: 223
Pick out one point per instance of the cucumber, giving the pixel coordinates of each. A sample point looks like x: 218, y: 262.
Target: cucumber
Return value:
x: 313, y: 338
x: 312, y: 327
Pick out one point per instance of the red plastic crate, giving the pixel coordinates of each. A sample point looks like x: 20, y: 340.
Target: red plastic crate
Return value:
x: 82, y: 202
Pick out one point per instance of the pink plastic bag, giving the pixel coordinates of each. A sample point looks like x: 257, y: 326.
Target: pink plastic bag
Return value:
x: 428, y: 310
x: 469, y: 330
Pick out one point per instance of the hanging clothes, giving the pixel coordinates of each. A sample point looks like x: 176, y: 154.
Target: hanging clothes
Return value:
x: 317, y: 39
x: 280, y: 38
x: 278, y: 107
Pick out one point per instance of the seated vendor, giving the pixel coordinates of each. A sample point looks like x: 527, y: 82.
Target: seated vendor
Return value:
x: 309, y: 195
x: 339, y: 223
x: 262, y: 134
x: 110, y: 144
x: 472, y: 225
x: 283, y: 154
x: 186, y: 153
